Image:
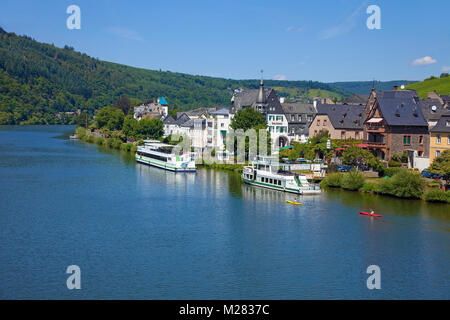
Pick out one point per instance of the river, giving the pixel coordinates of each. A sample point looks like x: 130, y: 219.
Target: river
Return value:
x: 144, y: 233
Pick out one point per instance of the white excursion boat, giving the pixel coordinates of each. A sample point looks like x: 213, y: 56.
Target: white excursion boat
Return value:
x: 267, y: 172
x: 160, y: 155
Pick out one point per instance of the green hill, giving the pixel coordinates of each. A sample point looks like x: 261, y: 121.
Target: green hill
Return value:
x: 364, y: 87
x: 440, y: 85
x: 40, y: 82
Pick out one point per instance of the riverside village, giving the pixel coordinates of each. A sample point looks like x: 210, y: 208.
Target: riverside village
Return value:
x: 359, y: 143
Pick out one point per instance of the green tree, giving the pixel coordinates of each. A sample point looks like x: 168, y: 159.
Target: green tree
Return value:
x: 130, y: 126
x: 247, y: 118
x: 150, y: 128
x: 441, y: 165
x: 110, y: 118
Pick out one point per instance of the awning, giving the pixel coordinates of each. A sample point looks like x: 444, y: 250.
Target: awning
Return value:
x: 362, y: 145
x: 375, y: 120
x: 339, y: 149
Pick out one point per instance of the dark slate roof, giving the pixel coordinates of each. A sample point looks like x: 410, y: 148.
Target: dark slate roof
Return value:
x: 433, y: 109
x: 296, y: 108
x: 401, y: 108
x: 182, y: 119
x: 273, y: 104
x: 443, y: 125
x: 356, y: 99
x: 343, y: 116
x: 221, y: 111
x: 446, y: 99
x: 169, y: 120
x: 248, y: 97
x: 189, y: 123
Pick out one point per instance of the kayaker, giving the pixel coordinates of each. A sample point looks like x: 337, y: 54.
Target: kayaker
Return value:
x: 372, y: 212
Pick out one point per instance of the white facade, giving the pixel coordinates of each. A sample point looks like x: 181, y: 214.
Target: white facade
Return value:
x: 277, y: 125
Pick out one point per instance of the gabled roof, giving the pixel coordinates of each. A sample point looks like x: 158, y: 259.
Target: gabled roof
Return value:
x: 433, y: 109
x: 296, y: 107
x: 224, y: 111
x: 182, y: 119
x: 169, y: 120
x: 247, y: 98
x: 343, y: 116
x: 273, y: 104
x: 356, y: 99
x: 401, y: 108
x: 443, y: 125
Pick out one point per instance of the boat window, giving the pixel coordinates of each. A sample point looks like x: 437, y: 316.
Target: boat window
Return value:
x: 271, y: 180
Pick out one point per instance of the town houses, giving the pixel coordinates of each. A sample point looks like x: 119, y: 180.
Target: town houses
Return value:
x: 387, y: 123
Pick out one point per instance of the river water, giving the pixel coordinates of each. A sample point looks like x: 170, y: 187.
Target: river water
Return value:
x: 144, y: 233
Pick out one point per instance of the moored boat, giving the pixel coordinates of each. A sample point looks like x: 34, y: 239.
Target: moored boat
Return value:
x: 161, y: 155
x: 267, y: 172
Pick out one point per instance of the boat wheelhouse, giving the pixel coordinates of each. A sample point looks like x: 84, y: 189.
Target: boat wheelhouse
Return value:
x: 268, y: 172
x: 161, y: 155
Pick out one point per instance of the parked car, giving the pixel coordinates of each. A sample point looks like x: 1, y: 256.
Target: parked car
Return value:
x: 344, y: 168
x: 427, y: 174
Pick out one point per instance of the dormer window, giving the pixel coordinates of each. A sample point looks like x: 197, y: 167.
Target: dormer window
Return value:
x: 318, y: 122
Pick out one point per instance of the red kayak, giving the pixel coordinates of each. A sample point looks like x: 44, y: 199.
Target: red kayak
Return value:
x: 371, y: 215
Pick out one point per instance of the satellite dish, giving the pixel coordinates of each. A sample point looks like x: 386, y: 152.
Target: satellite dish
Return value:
x: 402, y: 86
x: 434, y: 108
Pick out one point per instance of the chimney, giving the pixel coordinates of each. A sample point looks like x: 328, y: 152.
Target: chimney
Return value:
x: 395, y: 88
x: 282, y: 99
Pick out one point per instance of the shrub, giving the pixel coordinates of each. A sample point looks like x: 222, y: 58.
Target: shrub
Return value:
x: 100, y: 140
x: 437, y: 196
x: 393, y: 163
x: 391, y: 171
x: 354, y: 180
x: 334, y: 180
x: 368, y: 187
x: 90, y: 138
x: 403, y: 184
x: 128, y: 147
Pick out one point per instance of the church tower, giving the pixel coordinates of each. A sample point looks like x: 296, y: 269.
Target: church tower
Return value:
x: 260, y: 104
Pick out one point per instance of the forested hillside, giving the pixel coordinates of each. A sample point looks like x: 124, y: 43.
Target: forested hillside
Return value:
x: 39, y: 83
x: 364, y: 87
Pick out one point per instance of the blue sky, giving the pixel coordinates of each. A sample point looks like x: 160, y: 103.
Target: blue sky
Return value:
x: 295, y: 40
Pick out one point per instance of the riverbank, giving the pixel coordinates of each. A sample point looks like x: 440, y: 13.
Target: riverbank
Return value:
x: 404, y: 184
x: 117, y: 144
x: 110, y: 142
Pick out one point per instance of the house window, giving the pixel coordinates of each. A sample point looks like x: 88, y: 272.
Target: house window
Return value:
x: 299, y: 118
x: 315, y: 132
x: 356, y: 135
x: 420, y: 139
x: 438, y: 139
x: 438, y: 153
x: 310, y: 118
x: 406, y: 140
x: 222, y: 125
x: 324, y: 123
x: 343, y: 135
x: 318, y: 122
x: 293, y: 117
x: 420, y: 153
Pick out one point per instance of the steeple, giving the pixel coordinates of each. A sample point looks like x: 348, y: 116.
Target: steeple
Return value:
x: 261, y: 96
